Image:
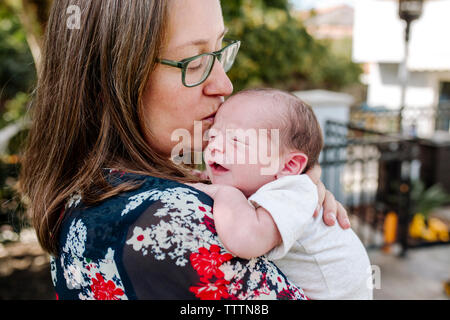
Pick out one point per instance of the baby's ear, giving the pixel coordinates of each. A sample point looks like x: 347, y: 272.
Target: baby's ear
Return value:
x: 294, y: 163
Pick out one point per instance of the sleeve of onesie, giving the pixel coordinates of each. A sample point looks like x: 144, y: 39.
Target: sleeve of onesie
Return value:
x: 291, y: 201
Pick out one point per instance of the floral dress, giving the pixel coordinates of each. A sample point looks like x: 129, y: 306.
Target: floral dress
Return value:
x: 156, y: 242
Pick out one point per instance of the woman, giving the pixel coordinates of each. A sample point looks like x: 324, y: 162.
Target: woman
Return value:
x: 106, y: 201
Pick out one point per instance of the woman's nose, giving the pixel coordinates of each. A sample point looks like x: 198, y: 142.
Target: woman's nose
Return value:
x: 218, y: 83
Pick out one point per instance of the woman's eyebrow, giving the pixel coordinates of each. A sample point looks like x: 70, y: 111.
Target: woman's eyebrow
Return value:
x: 201, y: 41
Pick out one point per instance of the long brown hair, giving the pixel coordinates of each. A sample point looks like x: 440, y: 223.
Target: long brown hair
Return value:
x: 87, y: 107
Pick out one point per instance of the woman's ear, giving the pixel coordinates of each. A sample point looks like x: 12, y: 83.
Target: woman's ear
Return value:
x: 294, y: 164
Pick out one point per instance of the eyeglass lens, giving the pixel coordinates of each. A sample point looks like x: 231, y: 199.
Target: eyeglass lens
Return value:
x: 198, y: 70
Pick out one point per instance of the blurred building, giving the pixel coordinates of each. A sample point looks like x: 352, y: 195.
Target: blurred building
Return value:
x: 378, y: 42
x: 329, y: 23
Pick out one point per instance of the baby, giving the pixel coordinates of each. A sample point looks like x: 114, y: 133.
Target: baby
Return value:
x: 264, y: 204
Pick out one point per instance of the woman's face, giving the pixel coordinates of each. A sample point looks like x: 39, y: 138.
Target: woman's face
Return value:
x: 194, y: 27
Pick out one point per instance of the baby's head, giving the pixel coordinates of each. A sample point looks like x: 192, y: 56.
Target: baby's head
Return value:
x: 260, y: 135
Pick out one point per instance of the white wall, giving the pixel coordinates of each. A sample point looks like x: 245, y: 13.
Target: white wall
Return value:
x: 378, y: 40
x: 422, y: 92
x: 378, y: 34
x: 328, y: 105
x: 385, y: 89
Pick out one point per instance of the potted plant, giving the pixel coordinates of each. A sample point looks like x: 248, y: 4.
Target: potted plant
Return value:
x: 424, y: 201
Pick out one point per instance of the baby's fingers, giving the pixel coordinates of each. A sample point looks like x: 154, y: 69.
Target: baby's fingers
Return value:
x: 342, y: 216
x: 329, y: 209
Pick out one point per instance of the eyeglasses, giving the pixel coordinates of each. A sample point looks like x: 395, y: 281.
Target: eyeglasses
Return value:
x: 195, y: 70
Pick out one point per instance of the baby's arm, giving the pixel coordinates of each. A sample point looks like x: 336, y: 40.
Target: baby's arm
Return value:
x: 244, y: 231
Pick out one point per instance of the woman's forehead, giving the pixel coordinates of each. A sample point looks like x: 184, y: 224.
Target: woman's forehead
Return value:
x: 194, y: 23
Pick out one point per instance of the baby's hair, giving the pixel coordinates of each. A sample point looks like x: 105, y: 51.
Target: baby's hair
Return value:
x: 299, y: 128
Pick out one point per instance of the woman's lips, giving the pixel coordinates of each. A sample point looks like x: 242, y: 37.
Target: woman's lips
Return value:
x: 209, y: 119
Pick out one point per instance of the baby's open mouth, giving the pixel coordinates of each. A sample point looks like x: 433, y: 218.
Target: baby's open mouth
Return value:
x: 217, y: 167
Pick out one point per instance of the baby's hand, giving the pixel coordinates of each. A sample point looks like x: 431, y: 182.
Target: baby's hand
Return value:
x: 200, y: 174
x: 209, y: 189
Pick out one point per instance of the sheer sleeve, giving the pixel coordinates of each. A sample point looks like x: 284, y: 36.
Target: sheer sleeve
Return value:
x: 172, y: 251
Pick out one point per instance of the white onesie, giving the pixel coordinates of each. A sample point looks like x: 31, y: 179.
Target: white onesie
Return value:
x: 326, y: 262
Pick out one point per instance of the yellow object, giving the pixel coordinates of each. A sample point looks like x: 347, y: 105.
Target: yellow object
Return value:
x: 437, y: 230
x: 417, y: 226
x: 440, y: 228
x: 429, y: 235
x: 390, y: 227
x: 447, y: 288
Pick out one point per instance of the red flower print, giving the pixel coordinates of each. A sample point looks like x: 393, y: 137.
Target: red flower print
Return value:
x: 263, y: 288
x: 287, y: 294
x: 105, y: 290
x: 209, y: 223
x: 235, y: 287
x: 211, y: 290
x: 207, y: 263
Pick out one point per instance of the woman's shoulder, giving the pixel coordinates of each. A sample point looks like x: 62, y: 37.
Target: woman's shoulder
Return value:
x: 107, y: 222
x: 158, y: 193
x: 151, y: 189
x: 160, y: 232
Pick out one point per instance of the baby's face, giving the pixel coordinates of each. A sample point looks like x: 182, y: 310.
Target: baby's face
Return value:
x: 243, y: 151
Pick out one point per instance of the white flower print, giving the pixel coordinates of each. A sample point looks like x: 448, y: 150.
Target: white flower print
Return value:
x: 76, y: 238
x: 73, y: 275
x: 180, y: 235
x: 186, y: 225
x: 74, y: 200
x: 84, y: 273
x: 141, y: 238
x: 53, y: 270
x: 137, y: 200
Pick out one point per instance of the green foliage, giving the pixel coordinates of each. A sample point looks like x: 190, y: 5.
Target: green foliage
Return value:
x: 14, y: 108
x: 425, y: 200
x: 16, y: 143
x: 17, y: 75
x: 12, y: 211
x: 277, y: 51
x: 17, y: 72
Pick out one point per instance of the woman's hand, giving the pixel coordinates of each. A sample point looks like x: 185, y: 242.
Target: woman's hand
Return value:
x: 332, y: 209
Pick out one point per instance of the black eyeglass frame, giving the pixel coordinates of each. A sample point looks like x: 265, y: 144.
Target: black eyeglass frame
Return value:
x: 185, y: 62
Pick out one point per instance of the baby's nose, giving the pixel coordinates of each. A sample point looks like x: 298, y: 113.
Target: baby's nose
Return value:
x: 215, y: 142
x: 215, y: 150
x: 215, y: 146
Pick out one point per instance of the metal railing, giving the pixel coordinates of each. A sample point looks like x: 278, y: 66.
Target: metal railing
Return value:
x: 416, y: 121
x: 370, y: 172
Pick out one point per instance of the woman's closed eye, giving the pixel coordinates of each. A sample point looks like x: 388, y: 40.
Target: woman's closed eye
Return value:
x: 194, y: 66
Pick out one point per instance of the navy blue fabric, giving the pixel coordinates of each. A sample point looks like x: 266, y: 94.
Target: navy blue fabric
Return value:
x: 156, y: 242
